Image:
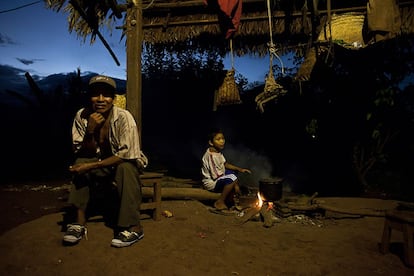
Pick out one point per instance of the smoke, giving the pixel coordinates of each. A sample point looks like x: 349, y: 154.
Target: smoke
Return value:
x: 243, y: 157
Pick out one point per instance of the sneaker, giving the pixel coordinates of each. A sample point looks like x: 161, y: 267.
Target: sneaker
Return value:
x: 126, y: 238
x: 74, y: 233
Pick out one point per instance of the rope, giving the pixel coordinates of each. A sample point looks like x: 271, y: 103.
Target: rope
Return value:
x: 148, y: 6
x: 231, y: 53
x: 272, y: 46
x: 272, y: 90
x: 328, y: 7
x: 270, y: 23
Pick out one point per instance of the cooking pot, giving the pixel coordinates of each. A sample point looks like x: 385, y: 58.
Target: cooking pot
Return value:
x: 271, y: 188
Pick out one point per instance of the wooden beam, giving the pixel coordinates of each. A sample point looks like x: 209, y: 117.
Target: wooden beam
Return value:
x: 134, y: 49
x: 182, y: 193
x: 152, y: 5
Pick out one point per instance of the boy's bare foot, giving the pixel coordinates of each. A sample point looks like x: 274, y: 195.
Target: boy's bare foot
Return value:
x: 220, y: 205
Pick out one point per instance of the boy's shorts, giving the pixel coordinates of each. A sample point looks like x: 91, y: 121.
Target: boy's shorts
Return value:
x: 223, y: 181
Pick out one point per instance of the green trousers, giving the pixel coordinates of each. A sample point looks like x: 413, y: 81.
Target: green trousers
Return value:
x: 121, y: 183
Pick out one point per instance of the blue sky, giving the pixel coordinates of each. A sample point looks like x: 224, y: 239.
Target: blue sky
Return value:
x: 37, y: 40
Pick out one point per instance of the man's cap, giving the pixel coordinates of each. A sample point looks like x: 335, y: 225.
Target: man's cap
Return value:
x: 102, y: 79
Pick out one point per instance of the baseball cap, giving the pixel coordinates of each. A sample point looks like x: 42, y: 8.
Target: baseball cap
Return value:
x: 104, y: 80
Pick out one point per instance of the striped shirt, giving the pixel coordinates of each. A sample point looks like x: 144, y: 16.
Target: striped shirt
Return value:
x: 123, y: 135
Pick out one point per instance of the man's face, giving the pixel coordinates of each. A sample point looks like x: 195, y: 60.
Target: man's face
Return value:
x: 102, y: 98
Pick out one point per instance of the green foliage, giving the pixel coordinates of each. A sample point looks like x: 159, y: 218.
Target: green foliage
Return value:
x: 158, y: 62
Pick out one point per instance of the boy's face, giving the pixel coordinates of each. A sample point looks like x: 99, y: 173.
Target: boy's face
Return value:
x: 218, y: 142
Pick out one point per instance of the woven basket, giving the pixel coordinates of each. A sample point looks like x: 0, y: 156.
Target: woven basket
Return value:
x: 228, y: 92
x: 345, y: 27
x: 120, y: 101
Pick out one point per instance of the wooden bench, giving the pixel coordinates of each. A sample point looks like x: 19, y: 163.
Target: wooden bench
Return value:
x: 400, y: 220
x: 152, y: 180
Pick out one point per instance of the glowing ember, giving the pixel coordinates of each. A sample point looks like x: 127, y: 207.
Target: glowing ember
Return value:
x: 261, y: 200
x: 269, y: 205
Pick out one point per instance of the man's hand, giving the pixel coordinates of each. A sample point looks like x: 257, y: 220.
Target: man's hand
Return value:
x: 80, y: 168
x: 95, y: 120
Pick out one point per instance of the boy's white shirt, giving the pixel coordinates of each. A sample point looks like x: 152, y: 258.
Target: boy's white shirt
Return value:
x: 213, y: 168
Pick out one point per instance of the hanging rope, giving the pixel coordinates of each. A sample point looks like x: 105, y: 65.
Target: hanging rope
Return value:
x: 231, y: 53
x: 329, y: 19
x: 271, y: 45
x: 272, y: 89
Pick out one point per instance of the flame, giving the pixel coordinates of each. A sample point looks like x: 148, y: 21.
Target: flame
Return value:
x: 261, y: 200
x: 259, y: 203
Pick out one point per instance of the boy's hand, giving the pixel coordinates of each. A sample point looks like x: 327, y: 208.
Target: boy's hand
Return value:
x: 245, y: 171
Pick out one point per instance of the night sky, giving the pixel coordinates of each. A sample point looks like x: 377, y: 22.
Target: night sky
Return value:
x: 37, y: 40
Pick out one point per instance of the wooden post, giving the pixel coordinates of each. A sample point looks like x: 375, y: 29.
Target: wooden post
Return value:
x: 133, y: 55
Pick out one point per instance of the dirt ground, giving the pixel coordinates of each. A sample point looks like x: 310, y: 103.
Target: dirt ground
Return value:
x: 195, y: 241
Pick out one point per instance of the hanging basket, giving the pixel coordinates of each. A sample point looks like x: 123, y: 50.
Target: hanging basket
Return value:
x: 346, y: 29
x: 228, y: 92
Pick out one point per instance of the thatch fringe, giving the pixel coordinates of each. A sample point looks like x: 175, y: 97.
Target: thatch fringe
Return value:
x: 165, y: 26
x: 181, y: 28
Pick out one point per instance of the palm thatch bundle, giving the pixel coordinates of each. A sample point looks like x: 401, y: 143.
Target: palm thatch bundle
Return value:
x: 86, y: 17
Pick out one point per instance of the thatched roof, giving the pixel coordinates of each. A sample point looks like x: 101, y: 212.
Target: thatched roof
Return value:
x: 172, y: 23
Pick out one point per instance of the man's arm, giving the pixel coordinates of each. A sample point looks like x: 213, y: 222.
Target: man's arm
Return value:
x: 107, y: 162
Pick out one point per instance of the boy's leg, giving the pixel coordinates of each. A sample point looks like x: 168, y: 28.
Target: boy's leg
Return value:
x: 220, y: 204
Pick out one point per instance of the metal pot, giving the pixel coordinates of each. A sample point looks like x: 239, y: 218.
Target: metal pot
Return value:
x: 271, y: 188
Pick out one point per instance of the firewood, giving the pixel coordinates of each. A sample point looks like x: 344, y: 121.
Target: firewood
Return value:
x: 266, y: 215
x: 250, y: 213
x: 336, y: 210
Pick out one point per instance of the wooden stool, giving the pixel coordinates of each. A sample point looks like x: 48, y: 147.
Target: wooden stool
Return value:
x: 153, y: 180
x: 401, y: 220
